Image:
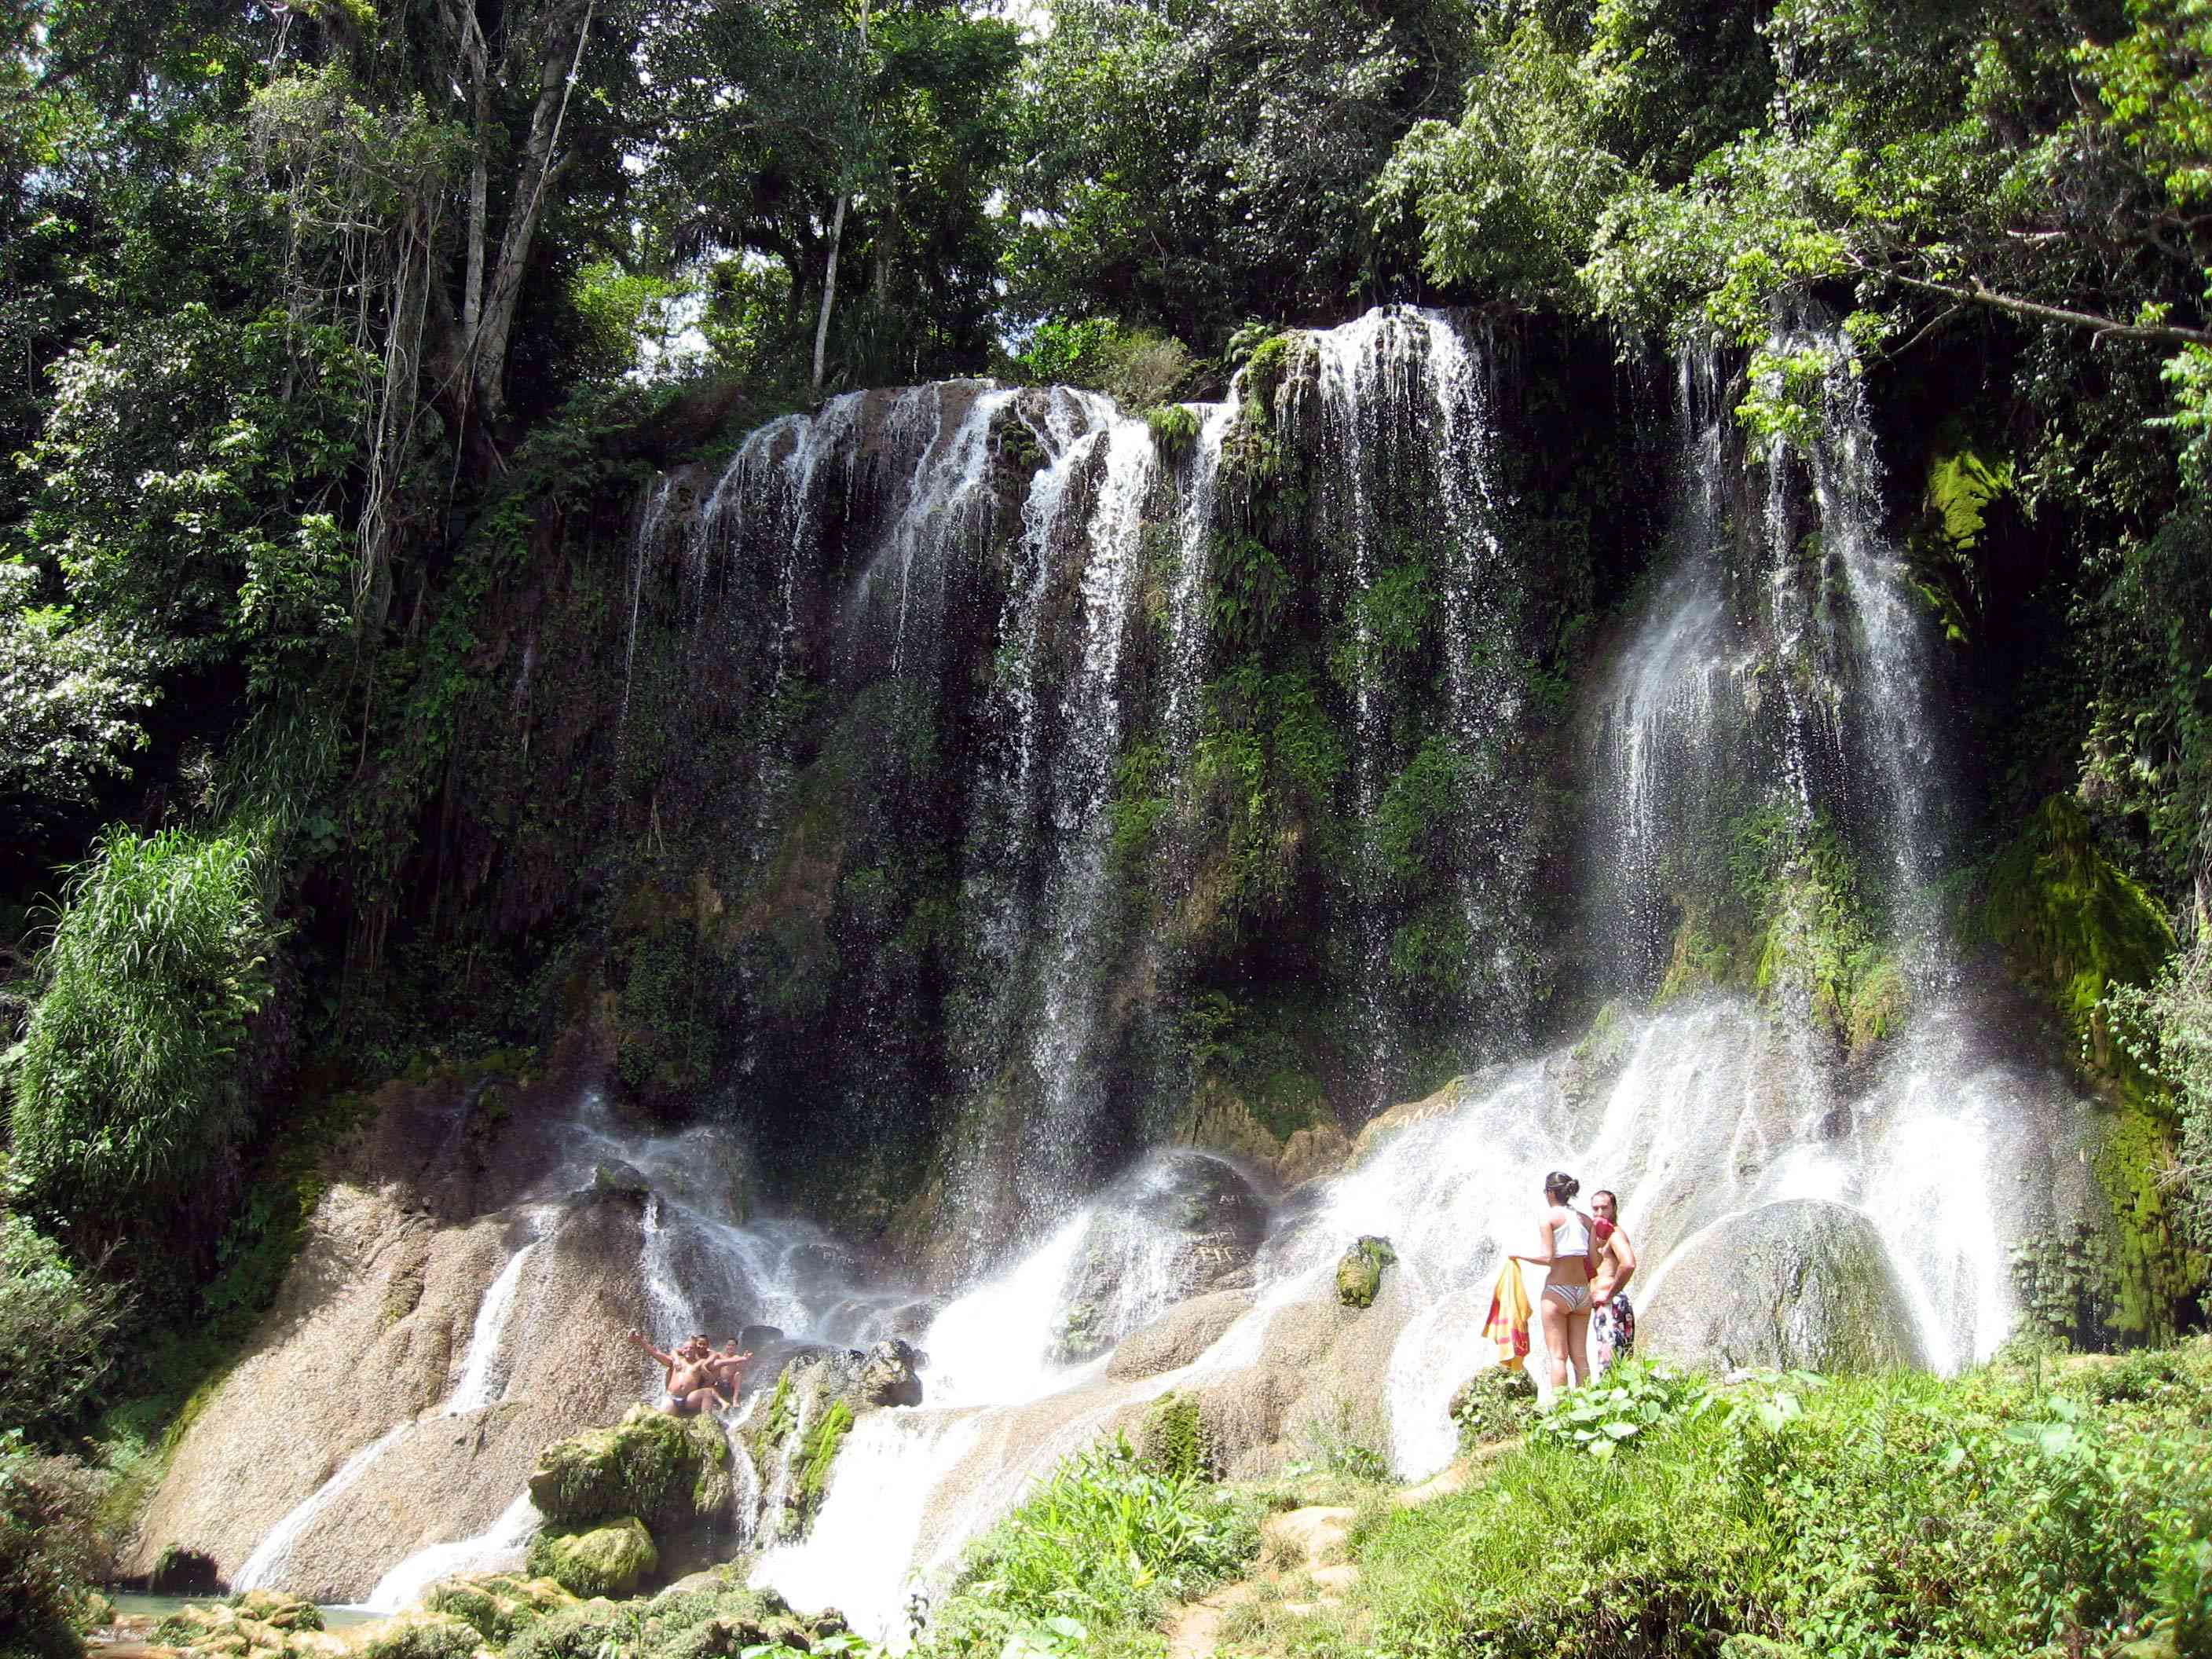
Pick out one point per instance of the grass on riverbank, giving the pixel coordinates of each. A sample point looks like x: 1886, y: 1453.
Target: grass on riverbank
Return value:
x: 2012, y: 1511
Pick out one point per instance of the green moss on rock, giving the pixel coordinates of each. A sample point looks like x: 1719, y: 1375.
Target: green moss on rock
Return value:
x: 419, y: 1635
x: 1359, y: 1273
x: 824, y: 1441
x: 2072, y: 926
x: 673, y: 1472
x: 607, y: 1559
x: 499, y: 1604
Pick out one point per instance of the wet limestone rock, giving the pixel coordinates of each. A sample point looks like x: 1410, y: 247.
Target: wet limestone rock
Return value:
x: 892, y: 1375
x: 672, y: 1472
x: 1172, y: 1227
x: 1359, y: 1272
x: 1178, y: 1336
x: 1798, y: 1283
x: 500, y: 1605
x: 610, y: 1557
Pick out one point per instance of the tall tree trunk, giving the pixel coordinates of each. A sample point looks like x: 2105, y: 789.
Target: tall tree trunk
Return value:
x: 836, y: 237
x: 829, y: 291
x: 541, y: 165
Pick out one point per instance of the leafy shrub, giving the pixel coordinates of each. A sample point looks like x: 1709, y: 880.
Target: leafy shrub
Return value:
x: 1493, y: 1405
x: 126, y: 1087
x: 55, y: 1324
x: 1104, y: 1542
x: 51, y: 1548
x: 1631, y: 1400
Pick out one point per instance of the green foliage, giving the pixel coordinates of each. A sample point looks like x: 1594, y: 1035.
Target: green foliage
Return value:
x: 1103, y: 1541
x: 1175, y: 429
x: 171, y: 469
x: 2166, y: 1029
x: 52, y: 1558
x: 1349, y: 1439
x: 1494, y: 1405
x: 127, y: 1086
x: 56, y: 1325
x: 1190, y: 164
x: 1141, y: 368
x: 1267, y: 765
x: 1633, y: 1402
x: 1886, y: 1516
x: 1139, y: 803
x: 1797, y: 923
x: 71, y: 700
x: 1252, y: 590
x: 2073, y: 926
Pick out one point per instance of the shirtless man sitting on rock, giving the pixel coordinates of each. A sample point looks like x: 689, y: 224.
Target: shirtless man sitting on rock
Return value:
x: 692, y: 1376
x: 727, y: 1364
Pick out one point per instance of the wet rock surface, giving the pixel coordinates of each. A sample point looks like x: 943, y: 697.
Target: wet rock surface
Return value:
x: 1798, y: 1283
x: 1177, y: 1224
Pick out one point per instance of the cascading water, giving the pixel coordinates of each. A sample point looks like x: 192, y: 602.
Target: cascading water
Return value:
x: 833, y: 547
x: 1405, y: 418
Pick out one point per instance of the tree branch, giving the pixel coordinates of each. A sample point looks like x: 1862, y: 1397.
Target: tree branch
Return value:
x: 1976, y: 293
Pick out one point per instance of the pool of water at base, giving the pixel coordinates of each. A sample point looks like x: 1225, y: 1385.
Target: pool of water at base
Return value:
x: 136, y: 1604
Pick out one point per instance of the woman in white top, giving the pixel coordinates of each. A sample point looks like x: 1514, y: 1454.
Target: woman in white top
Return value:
x: 1565, y: 1302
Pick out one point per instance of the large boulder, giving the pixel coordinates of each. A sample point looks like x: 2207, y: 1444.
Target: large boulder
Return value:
x: 610, y: 1557
x: 1797, y: 1282
x: 892, y: 1375
x: 672, y: 1472
x: 1181, y: 1222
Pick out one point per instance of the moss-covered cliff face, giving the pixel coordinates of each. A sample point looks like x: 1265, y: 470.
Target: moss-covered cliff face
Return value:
x: 961, y: 786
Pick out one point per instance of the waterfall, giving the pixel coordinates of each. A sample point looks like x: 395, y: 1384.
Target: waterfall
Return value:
x: 263, y: 1569
x: 1075, y: 895
x: 1405, y: 420
x: 482, y: 1379
x: 500, y: 1548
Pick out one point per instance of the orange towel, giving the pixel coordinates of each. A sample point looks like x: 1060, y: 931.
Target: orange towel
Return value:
x: 1508, y: 1324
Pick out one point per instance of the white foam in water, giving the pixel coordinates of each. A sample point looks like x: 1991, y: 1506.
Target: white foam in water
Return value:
x: 500, y: 1548
x: 990, y: 1346
x: 857, y: 1555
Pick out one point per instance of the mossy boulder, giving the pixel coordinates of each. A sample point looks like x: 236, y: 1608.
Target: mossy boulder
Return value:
x: 260, y: 1622
x: 608, y: 1557
x: 711, y: 1621
x: 418, y: 1636
x: 1359, y: 1272
x: 1801, y: 1283
x: 1741, y: 1646
x: 500, y: 1605
x: 672, y: 1472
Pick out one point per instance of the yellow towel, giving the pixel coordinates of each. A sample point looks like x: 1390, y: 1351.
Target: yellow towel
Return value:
x: 1508, y: 1324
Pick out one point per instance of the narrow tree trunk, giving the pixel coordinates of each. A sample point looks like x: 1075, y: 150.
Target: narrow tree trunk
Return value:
x: 829, y: 291
x: 836, y: 237
x: 479, y: 173
x: 541, y: 165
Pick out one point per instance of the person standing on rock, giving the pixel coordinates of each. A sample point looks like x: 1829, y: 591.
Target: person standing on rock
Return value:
x: 1565, y: 1302
x: 1612, y: 1320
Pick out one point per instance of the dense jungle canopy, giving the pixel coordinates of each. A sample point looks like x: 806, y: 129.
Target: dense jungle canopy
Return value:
x: 326, y: 327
